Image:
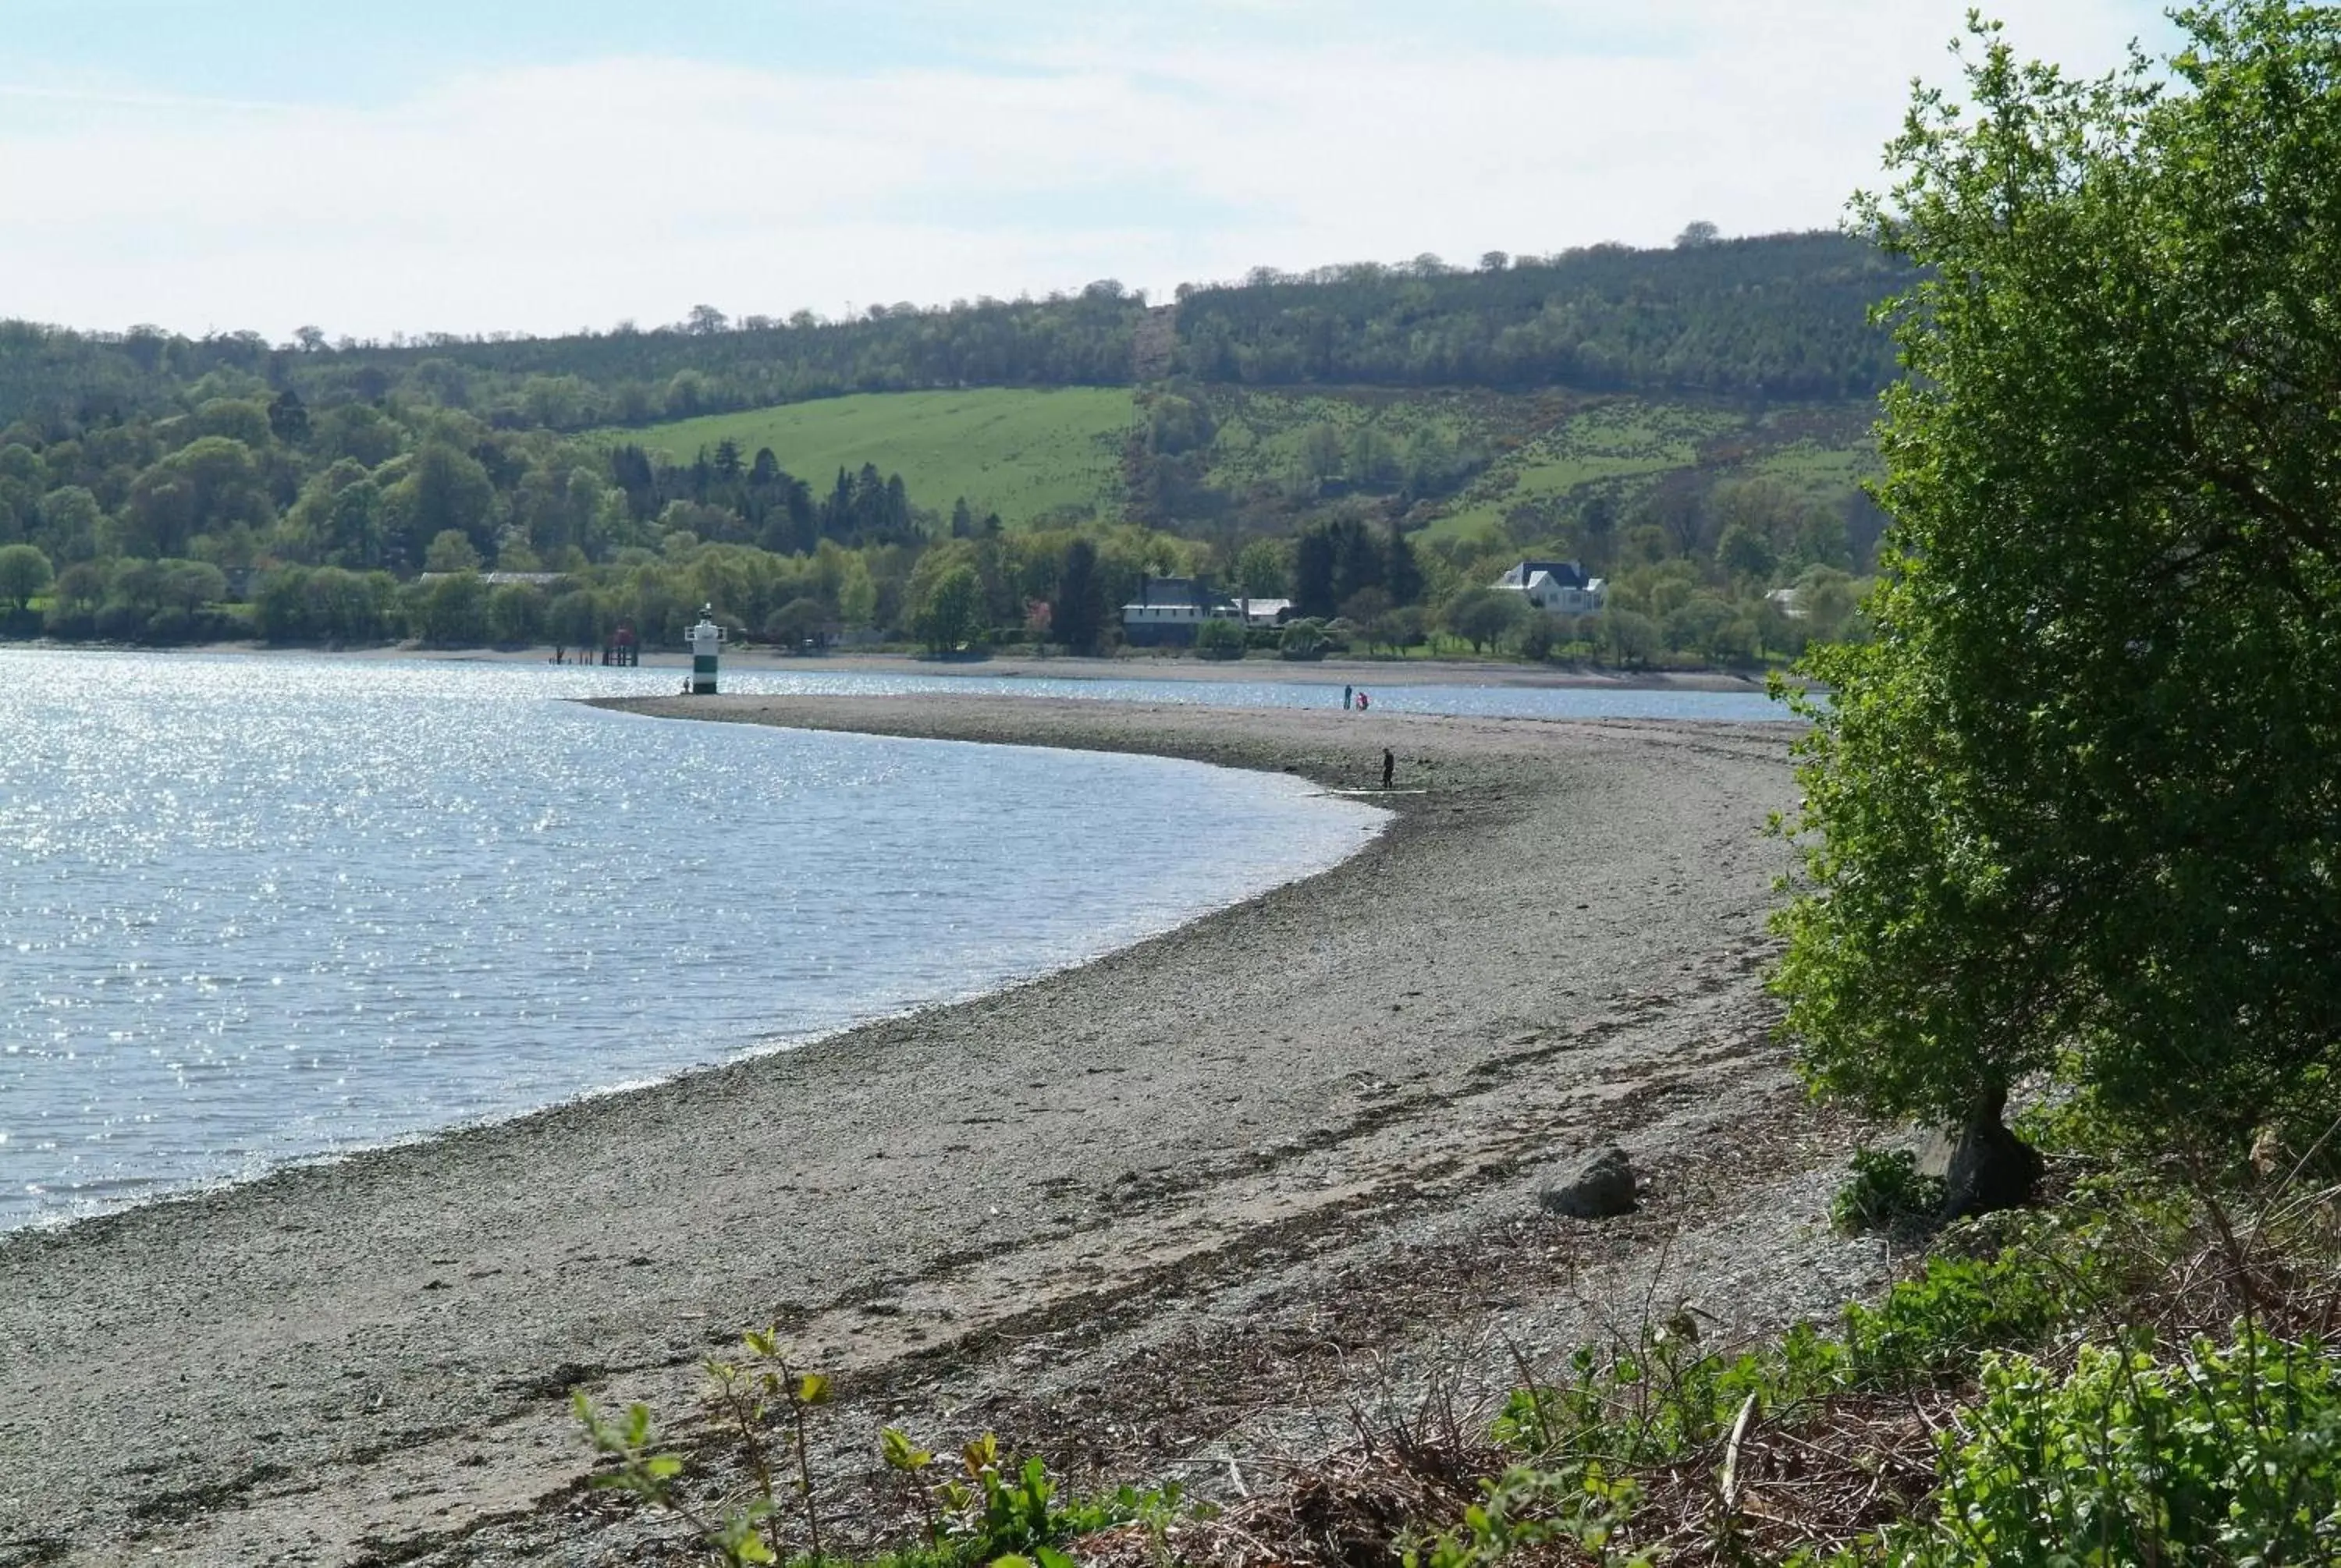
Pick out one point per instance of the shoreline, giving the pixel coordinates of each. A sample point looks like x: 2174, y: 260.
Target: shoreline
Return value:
x: 764, y: 1040
x: 1556, y: 943
x: 1136, y: 667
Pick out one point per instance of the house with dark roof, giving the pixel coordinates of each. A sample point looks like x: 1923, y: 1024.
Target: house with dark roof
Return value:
x: 1555, y: 587
x: 1168, y: 609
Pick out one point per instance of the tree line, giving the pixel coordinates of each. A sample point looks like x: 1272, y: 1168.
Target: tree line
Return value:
x: 1781, y: 317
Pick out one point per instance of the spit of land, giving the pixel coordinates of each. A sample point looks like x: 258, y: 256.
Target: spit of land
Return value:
x: 1181, y: 1206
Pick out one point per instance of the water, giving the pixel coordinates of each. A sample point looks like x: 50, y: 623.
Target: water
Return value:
x: 256, y: 911
x: 1476, y: 701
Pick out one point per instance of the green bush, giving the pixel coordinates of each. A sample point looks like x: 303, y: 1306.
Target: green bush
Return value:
x: 1302, y: 640
x: 1936, y: 1326
x: 1885, y: 1193
x: 1217, y: 638
x: 1538, y: 639
x: 2230, y: 1456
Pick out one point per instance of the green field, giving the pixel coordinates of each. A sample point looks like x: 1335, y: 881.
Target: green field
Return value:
x: 1023, y: 454
x: 1030, y: 454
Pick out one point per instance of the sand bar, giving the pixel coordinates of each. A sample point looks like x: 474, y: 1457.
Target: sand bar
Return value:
x: 977, y: 1211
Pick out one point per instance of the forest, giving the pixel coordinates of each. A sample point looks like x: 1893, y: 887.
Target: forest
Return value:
x: 1374, y: 442
x: 1783, y: 316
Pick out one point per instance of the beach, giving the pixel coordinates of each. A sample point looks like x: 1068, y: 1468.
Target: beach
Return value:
x: 1150, y: 1212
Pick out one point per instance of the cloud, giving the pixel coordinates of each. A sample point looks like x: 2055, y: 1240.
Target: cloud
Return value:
x: 544, y: 198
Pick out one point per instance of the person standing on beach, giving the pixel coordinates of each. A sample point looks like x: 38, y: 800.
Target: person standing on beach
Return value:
x: 1390, y: 766
x: 1345, y: 698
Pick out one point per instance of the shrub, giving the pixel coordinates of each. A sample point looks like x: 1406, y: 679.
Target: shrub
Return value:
x: 2228, y: 1455
x: 1885, y: 1193
x: 515, y: 614
x: 1537, y: 638
x: 1302, y: 640
x: 1217, y: 638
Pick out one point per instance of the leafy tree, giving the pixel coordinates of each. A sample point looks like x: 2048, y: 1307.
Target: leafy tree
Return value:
x: 445, y: 490
x: 1262, y: 569
x: 288, y: 418
x: 1358, y: 563
x: 1746, y: 555
x: 1539, y: 637
x: 279, y: 606
x: 575, y: 619
x: 1365, y: 610
x: 1626, y: 638
x: 1826, y: 598
x: 451, y: 551
x: 515, y: 614
x: 358, y: 431
x: 796, y: 623
x: 857, y: 594
x: 1401, y: 628
x: 70, y: 522
x: 1312, y: 575
x: 210, y: 484
x: 452, y: 612
x: 1401, y: 573
x: 349, y: 606
x: 24, y: 572
x: 951, y: 615
x: 1076, y: 616
x: 1483, y: 617
x: 2077, y: 807
x: 1321, y: 451
x: 1697, y: 625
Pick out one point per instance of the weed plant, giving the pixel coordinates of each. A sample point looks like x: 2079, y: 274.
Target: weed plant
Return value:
x: 2142, y: 1374
x: 1000, y: 1510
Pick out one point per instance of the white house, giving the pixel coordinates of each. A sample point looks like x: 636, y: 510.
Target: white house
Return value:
x: 1555, y: 587
x: 1264, y: 614
x: 1168, y: 609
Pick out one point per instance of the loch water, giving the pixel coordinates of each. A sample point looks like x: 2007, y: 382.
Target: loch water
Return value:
x: 262, y: 910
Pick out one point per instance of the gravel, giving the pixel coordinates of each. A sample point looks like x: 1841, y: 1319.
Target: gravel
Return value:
x: 1147, y: 1212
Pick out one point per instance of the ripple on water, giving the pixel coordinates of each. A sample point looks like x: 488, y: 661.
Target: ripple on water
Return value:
x: 262, y: 910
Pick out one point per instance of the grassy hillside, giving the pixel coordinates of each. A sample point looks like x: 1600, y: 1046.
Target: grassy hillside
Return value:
x: 1023, y: 454
x: 1029, y: 455
x: 1543, y: 453
x: 1626, y: 446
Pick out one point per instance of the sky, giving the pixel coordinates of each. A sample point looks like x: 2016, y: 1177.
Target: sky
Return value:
x: 546, y: 165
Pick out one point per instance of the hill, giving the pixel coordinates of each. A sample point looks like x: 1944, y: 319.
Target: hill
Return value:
x: 1779, y: 317
x: 1784, y: 316
x: 1689, y: 422
x: 1025, y: 455
x: 1484, y: 468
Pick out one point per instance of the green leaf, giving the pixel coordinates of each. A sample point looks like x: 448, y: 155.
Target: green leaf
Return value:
x: 900, y: 1452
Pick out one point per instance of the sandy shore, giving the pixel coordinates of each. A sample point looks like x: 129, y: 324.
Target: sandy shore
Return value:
x: 1145, y: 1212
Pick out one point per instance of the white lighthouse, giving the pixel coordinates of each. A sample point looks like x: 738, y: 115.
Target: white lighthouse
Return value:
x: 705, y: 639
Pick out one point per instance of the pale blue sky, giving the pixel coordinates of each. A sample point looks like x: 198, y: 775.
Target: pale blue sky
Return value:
x: 534, y: 165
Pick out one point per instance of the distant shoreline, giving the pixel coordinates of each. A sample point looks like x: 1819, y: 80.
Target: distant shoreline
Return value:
x: 1365, y: 672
